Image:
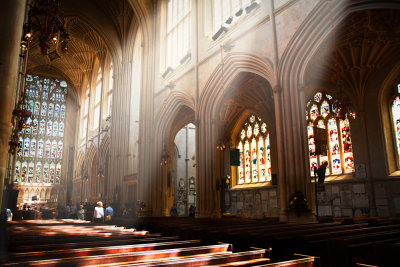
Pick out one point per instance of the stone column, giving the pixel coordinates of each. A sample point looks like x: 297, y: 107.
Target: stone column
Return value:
x: 12, y: 14
x: 282, y: 183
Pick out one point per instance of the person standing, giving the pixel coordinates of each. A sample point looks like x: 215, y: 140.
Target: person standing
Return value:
x: 81, y: 213
x: 321, y: 172
x: 108, y: 213
x: 98, y: 215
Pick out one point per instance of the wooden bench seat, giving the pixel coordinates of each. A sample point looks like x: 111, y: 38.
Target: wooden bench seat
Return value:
x: 70, y: 253
x: 121, y: 258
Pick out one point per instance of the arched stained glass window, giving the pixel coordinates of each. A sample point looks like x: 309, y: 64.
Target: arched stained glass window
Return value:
x: 31, y: 170
x: 58, y: 174
x: 33, y: 148
x: 254, y: 151
x: 27, y: 143
x: 52, y: 173
x: 62, y: 112
x: 41, y: 141
x: 42, y: 127
x: 54, y: 150
x: 49, y: 130
x: 34, y: 127
x: 44, y: 109
x: 61, y: 130
x: 38, y: 172
x: 60, y: 150
x: 46, y: 173
x: 40, y: 148
x: 28, y: 126
x: 17, y: 174
x: 37, y: 108
x: 20, y: 145
x: 24, y: 171
x: 48, y: 149
x: 55, y: 129
x: 321, y: 113
x: 51, y: 110
x: 396, y: 124
x: 56, y: 110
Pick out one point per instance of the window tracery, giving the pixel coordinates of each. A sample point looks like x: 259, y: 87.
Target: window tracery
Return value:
x: 41, y: 143
x: 254, y: 152
x: 321, y: 113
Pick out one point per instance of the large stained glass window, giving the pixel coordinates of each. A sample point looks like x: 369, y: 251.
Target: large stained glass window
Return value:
x: 39, y: 155
x: 320, y: 113
x: 396, y: 124
x: 254, y: 151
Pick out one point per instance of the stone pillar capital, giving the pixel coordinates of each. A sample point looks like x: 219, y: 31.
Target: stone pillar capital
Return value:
x: 276, y: 89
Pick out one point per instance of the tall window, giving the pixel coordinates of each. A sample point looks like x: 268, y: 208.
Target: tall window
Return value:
x: 396, y: 124
x: 223, y: 9
x: 85, y: 112
x: 38, y: 142
x: 255, y: 152
x: 339, y: 153
x: 178, y: 25
x: 109, y: 92
x: 97, y: 97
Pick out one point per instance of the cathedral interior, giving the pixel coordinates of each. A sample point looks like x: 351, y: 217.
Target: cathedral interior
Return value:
x: 218, y: 108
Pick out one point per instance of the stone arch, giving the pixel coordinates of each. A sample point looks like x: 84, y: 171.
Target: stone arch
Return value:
x: 234, y: 65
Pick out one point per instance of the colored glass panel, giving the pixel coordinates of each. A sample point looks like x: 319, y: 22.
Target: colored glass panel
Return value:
x: 31, y: 171
x: 325, y: 109
x: 54, y: 149
x: 62, y: 112
x: 52, y: 173
x: 261, y: 160
x: 334, y: 146
x: 318, y: 97
x: 51, y: 110
x: 42, y: 127
x: 254, y: 175
x: 26, y: 147
x: 314, y: 112
x: 33, y: 148
x: 49, y: 130
x: 56, y: 110
x: 24, y: 170
x: 40, y: 148
x: 48, y: 149
x: 241, y: 166
x: 34, y: 126
x: 17, y: 174
x: 38, y: 172
x: 247, y: 160
x: 55, y: 129
x: 46, y: 173
x: 58, y: 174
x: 37, y: 108
x: 59, y: 150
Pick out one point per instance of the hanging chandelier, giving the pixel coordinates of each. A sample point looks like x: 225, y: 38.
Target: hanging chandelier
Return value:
x: 46, y: 23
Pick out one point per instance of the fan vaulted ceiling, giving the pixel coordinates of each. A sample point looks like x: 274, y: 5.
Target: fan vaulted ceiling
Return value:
x: 95, y: 27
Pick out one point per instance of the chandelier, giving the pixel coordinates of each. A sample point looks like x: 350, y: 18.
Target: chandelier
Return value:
x: 46, y: 23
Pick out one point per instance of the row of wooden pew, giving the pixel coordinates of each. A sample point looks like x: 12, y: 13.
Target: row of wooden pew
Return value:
x: 79, y: 243
x: 341, y: 242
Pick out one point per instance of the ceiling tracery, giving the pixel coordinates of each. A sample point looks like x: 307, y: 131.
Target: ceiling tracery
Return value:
x: 87, y: 40
x: 365, y: 42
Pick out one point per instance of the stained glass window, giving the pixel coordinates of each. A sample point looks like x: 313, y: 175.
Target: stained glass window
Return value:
x: 254, y: 151
x: 39, y: 154
x: 44, y: 109
x: 338, y: 154
x: 33, y: 148
x: 31, y: 172
x: 40, y: 148
x: 24, y: 170
x: 56, y: 110
x: 46, y: 173
x: 55, y: 129
x: 34, y: 127
x: 396, y: 123
x: 38, y: 172
x: 17, y: 174
x: 37, y: 108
